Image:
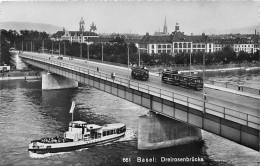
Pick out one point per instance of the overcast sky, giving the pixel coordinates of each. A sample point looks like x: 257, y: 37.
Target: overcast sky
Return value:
x: 136, y: 16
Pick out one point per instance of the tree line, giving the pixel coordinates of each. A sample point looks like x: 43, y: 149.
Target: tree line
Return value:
x: 116, y: 50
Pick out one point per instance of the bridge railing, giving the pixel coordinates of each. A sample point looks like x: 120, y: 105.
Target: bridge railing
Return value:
x: 211, y: 108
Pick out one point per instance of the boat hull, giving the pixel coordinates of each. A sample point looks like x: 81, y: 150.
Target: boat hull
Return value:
x: 65, y: 147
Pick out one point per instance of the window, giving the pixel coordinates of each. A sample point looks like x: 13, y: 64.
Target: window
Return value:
x: 159, y: 46
x: 175, y: 45
x: 152, y: 46
x: 164, y: 46
x: 180, y: 45
x: 189, y: 45
x: 185, y: 45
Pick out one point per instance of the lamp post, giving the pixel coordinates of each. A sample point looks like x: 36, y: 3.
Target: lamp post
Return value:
x: 127, y: 60
x: 59, y: 48
x: 64, y: 47
x: 190, y: 62
x: 81, y: 45
x: 102, y: 53
x: 204, y: 97
x: 52, y: 47
x: 88, y: 51
x: 139, y: 56
x: 43, y: 46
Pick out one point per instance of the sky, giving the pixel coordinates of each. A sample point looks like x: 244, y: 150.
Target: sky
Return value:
x: 135, y: 16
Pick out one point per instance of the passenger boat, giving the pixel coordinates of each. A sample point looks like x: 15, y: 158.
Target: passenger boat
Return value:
x: 80, y: 135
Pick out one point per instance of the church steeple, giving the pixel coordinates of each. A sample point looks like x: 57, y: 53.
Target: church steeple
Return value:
x: 177, y: 28
x: 165, y: 28
x: 81, y: 25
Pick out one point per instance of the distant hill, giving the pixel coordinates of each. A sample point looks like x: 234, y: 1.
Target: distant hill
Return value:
x: 48, y: 28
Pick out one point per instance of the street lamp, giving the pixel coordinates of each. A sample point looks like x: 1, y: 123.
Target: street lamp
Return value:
x: 52, y: 47
x: 139, y: 56
x: 81, y: 45
x: 64, y: 47
x: 127, y: 60
x: 59, y: 48
x: 204, y: 97
x: 190, y: 62
x: 102, y: 53
x: 43, y: 46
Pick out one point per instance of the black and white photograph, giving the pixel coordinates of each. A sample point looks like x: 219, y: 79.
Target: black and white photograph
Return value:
x: 130, y: 83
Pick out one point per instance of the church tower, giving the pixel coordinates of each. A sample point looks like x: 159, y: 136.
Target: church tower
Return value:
x: 81, y: 25
x: 165, y: 28
x: 177, y: 28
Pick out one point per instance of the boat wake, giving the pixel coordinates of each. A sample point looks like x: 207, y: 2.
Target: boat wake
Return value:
x: 130, y: 135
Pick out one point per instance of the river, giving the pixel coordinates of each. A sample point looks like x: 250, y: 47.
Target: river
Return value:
x: 28, y: 113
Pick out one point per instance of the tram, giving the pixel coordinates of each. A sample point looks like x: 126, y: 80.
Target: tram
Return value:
x: 188, y: 81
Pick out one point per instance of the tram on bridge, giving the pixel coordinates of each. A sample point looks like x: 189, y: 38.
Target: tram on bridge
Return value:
x: 187, y: 81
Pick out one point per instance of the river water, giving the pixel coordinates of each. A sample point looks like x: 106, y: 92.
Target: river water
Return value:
x: 28, y: 113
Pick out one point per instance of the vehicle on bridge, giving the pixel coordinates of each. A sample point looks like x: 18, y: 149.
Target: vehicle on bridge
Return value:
x: 188, y: 81
x: 60, y: 57
x: 141, y: 73
x: 41, y: 50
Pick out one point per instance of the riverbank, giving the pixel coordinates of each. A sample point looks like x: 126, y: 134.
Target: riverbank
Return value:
x: 20, y: 75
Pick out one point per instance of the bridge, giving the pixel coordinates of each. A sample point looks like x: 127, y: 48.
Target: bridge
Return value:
x: 229, y: 114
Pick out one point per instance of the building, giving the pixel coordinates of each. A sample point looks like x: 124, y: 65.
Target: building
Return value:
x: 80, y: 36
x: 177, y: 42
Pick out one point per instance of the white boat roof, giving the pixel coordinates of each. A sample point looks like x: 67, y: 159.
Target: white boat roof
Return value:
x: 93, y: 126
x: 113, y: 126
x: 79, y: 122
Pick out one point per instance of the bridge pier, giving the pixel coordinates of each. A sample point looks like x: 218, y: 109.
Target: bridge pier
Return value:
x: 54, y: 81
x: 156, y: 131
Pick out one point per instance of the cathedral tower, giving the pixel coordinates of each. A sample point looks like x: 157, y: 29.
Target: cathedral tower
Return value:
x: 81, y: 25
x: 165, y: 28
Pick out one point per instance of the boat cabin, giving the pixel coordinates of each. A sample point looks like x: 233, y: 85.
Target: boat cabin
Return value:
x: 79, y: 130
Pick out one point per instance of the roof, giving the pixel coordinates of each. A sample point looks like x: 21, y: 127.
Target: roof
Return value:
x: 113, y: 126
x: 147, y: 39
x: 93, y: 126
x: 72, y: 33
x: 79, y: 122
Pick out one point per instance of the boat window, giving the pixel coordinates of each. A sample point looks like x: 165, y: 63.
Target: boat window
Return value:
x: 104, y: 133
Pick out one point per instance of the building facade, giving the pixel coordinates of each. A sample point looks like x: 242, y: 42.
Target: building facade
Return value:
x: 80, y: 36
x: 177, y: 43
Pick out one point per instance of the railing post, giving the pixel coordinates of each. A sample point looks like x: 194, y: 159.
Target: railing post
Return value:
x: 224, y: 112
x: 247, y: 119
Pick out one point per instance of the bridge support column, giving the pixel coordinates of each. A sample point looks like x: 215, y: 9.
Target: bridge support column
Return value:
x: 54, y: 81
x: 157, y: 131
